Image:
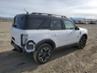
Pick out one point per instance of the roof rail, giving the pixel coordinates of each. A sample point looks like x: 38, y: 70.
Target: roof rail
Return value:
x: 41, y: 14
x: 46, y: 14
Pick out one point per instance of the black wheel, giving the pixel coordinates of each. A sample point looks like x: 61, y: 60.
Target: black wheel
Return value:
x: 43, y: 53
x: 82, y: 42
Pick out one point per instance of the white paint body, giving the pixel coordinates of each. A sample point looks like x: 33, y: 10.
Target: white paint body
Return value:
x: 60, y: 37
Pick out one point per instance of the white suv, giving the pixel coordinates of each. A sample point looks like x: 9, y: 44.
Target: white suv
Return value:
x: 41, y: 33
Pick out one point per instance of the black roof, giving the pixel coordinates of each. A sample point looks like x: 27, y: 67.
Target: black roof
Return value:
x: 46, y: 15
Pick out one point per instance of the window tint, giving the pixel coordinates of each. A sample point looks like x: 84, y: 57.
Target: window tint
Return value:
x: 45, y: 25
x: 19, y: 21
x: 68, y: 24
x: 31, y: 22
x: 56, y: 24
x: 34, y: 23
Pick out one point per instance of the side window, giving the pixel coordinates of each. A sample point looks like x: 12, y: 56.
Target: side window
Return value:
x: 45, y: 24
x: 33, y: 23
x: 68, y: 24
x: 56, y: 24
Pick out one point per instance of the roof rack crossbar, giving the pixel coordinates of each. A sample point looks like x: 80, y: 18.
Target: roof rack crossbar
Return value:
x: 49, y: 14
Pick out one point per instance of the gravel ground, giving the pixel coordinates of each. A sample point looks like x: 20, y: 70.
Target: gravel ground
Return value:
x: 65, y: 60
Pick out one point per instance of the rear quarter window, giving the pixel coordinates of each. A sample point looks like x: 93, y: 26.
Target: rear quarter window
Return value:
x: 19, y: 22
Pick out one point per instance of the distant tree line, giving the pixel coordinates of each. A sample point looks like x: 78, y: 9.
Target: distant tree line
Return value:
x: 6, y: 19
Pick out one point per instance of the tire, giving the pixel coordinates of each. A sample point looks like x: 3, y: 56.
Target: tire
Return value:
x: 82, y: 42
x: 42, y: 54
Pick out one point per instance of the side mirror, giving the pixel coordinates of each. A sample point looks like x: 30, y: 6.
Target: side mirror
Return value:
x: 76, y: 28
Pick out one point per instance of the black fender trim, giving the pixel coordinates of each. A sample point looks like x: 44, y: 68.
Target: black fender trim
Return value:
x: 85, y: 36
x: 48, y: 41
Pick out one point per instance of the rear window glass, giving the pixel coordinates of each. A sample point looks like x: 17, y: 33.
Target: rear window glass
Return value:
x: 34, y: 22
x: 31, y: 22
x: 19, y: 22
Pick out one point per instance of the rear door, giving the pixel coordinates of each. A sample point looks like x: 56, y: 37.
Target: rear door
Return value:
x: 57, y: 32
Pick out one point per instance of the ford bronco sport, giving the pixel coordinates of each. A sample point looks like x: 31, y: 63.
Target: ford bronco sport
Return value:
x: 42, y: 33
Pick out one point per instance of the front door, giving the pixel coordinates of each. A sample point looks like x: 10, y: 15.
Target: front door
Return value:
x: 71, y: 34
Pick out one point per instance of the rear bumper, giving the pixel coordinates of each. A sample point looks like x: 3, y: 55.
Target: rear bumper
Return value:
x: 23, y: 48
x: 17, y: 47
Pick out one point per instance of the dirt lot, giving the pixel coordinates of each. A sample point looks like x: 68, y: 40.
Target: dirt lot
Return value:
x: 70, y: 60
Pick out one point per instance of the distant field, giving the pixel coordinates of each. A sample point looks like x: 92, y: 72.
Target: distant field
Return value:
x: 5, y: 34
x: 64, y: 60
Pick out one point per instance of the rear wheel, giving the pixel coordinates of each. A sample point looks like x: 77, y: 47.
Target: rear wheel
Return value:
x: 82, y: 42
x: 43, y: 53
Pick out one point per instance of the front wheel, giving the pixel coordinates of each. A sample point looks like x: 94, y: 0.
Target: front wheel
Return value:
x: 43, y: 53
x: 82, y: 42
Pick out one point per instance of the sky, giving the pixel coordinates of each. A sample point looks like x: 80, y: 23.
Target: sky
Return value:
x: 69, y: 8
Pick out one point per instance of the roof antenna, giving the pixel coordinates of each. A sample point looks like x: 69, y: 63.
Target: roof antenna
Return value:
x: 26, y: 11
